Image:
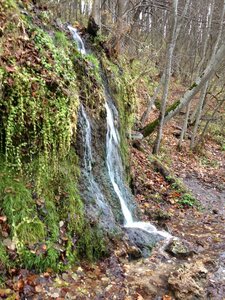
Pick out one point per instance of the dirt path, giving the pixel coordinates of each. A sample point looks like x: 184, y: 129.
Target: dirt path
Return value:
x: 200, y: 276
x: 212, y: 199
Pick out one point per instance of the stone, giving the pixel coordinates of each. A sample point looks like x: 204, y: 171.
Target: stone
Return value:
x: 133, y: 252
x: 142, y: 240
x: 93, y: 27
x: 188, y: 281
x: 136, y: 135
x: 9, y: 244
x: 180, y: 248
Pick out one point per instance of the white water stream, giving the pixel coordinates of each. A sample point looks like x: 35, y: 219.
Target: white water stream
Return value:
x: 77, y: 39
x: 113, y: 158
x: 88, y: 160
x: 115, y: 169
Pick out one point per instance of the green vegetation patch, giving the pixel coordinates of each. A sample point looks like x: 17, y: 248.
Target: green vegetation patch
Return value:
x: 40, y: 87
x: 39, y: 104
x: 188, y: 200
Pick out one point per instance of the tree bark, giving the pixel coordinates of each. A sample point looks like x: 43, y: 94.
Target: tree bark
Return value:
x: 200, y: 140
x: 96, y: 12
x: 198, y: 115
x: 184, y: 128
x: 167, y: 80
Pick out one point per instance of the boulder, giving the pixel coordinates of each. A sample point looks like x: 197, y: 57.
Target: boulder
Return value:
x: 188, y: 281
x: 142, y: 240
x: 180, y: 248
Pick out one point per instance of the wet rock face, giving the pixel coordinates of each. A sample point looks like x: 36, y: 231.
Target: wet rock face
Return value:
x: 92, y: 191
x: 188, y: 281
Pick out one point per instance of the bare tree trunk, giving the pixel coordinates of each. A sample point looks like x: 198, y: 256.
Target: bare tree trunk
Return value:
x: 199, y: 110
x: 151, y: 101
x: 167, y: 80
x: 198, y: 115
x: 215, y: 48
x: 184, y: 128
x: 200, y: 140
x: 121, y: 25
x: 157, y: 90
x: 96, y: 12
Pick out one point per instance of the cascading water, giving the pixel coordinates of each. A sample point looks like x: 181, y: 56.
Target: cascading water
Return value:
x: 77, y: 39
x: 86, y: 130
x: 88, y: 160
x: 113, y: 159
x: 86, y: 136
x: 115, y: 170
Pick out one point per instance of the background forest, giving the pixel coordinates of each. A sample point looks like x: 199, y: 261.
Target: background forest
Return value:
x: 171, y: 41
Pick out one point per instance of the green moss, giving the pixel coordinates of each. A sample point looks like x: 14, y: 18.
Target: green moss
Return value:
x: 50, y: 259
x: 39, y: 108
x: 39, y: 169
x: 61, y: 39
x: 89, y: 82
x: 30, y: 231
x: 172, y: 107
x: 149, y: 129
x: 4, y: 258
x: 193, y: 86
x: 9, y: 4
x: 92, y: 243
x: 188, y: 200
x: 35, y: 221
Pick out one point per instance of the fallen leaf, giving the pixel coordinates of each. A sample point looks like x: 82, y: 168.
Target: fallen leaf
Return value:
x: 5, y: 292
x: 19, y: 286
x: 9, y: 244
x: 10, y: 69
x: 38, y: 289
x: 3, y: 219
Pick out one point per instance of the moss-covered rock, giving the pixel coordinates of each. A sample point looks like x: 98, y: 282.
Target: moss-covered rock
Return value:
x: 40, y: 87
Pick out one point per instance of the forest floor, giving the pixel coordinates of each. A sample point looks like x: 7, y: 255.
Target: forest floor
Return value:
x: 198, y: 275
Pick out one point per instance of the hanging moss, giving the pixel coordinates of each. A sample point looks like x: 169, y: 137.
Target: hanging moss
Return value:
x: 92, y: 243
x: 39, y: 103
x: 89, y: 83
x: 39, y: 172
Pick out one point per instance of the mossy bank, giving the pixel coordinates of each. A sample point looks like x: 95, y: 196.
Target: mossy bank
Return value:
x: 43, y: 78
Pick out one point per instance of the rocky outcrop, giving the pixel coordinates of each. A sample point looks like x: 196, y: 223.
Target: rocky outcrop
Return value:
x: 188, y: 281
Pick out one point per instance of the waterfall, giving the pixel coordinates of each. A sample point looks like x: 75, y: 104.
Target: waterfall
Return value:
x: 113, y: 159
x: 88, y: 160
x: 116, y: 174
x: 86, y: 133
x: 77, y: 39
x: 114, y: 163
